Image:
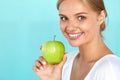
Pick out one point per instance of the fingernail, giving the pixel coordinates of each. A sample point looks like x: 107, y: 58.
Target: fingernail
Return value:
x: 41, y: 68
x: 37, y: 70
x: 44, y: 63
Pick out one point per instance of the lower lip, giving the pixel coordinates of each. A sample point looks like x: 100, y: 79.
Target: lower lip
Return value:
x: 75, y: 38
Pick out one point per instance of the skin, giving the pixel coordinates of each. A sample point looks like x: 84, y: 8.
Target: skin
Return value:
x: 47, y: 71
x: 81, y: 26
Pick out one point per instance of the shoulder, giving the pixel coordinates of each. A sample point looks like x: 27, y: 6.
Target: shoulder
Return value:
x: 108, y: 68
x: 109, y: 62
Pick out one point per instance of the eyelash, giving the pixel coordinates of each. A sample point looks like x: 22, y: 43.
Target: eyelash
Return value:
x: 80, y: 18
x: 63, y: 18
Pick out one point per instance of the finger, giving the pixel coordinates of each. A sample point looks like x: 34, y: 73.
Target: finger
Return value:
x: 38, y: 67
x: 35, y: 68
x: 63, y: 61
x: 42, y: 60
x: 37, y: 63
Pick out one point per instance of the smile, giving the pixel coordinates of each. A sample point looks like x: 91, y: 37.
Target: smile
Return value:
x: 74, y: 36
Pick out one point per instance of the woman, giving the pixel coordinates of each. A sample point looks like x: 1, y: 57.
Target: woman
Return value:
x: 82, y: 22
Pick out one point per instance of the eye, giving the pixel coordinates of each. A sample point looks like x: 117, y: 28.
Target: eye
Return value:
x: 63, y: 18
x: 81, y: 18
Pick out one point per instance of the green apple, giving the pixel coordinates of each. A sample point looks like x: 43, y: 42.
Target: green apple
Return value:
x: 53, y: 51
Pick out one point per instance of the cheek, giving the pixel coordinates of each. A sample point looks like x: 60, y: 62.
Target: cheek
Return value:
x: 62, y: 27
x: 91, y: 28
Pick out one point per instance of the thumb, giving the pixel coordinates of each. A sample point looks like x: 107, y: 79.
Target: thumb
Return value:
x: 63, y: 61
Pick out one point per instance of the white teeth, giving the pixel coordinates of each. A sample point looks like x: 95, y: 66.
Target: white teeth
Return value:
x: 74, y: 35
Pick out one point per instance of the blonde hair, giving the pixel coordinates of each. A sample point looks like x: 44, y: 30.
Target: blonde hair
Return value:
x: 96, y: 5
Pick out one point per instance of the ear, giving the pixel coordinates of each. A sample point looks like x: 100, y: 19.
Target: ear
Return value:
x: 102, y: 16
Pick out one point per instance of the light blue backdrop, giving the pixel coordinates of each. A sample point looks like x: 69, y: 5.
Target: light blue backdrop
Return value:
x: 26, y: 24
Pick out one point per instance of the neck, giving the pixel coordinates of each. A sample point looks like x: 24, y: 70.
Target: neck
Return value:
x: 93, y: 51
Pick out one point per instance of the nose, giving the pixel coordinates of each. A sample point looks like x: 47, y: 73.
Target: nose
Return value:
x: 71, y: 26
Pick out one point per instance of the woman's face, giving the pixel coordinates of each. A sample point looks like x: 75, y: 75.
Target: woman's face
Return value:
x: 79, y: 23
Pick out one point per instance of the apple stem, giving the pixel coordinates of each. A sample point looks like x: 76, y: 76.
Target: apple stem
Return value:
x: 54, y: 37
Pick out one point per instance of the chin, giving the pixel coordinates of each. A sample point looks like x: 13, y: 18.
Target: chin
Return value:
x: 74, y: 44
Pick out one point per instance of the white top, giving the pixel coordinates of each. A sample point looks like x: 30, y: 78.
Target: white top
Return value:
x: 106, y: 68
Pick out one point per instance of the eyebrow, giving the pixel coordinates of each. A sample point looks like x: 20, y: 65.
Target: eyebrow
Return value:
x: 61, y: 15
x: 79, y: 13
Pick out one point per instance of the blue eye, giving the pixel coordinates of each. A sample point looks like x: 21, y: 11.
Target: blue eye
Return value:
x: 63, y: 18
x: 81, y: 18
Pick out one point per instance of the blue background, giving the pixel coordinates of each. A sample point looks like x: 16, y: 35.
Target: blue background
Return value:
x: 27, y: 24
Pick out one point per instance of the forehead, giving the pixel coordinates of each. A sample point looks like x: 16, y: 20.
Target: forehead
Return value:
x: 74, y: 6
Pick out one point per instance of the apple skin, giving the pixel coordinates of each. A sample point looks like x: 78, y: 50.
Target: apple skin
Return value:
x: 53, y: 51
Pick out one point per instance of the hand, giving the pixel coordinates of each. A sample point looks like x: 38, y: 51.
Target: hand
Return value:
x: 47, y: 71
